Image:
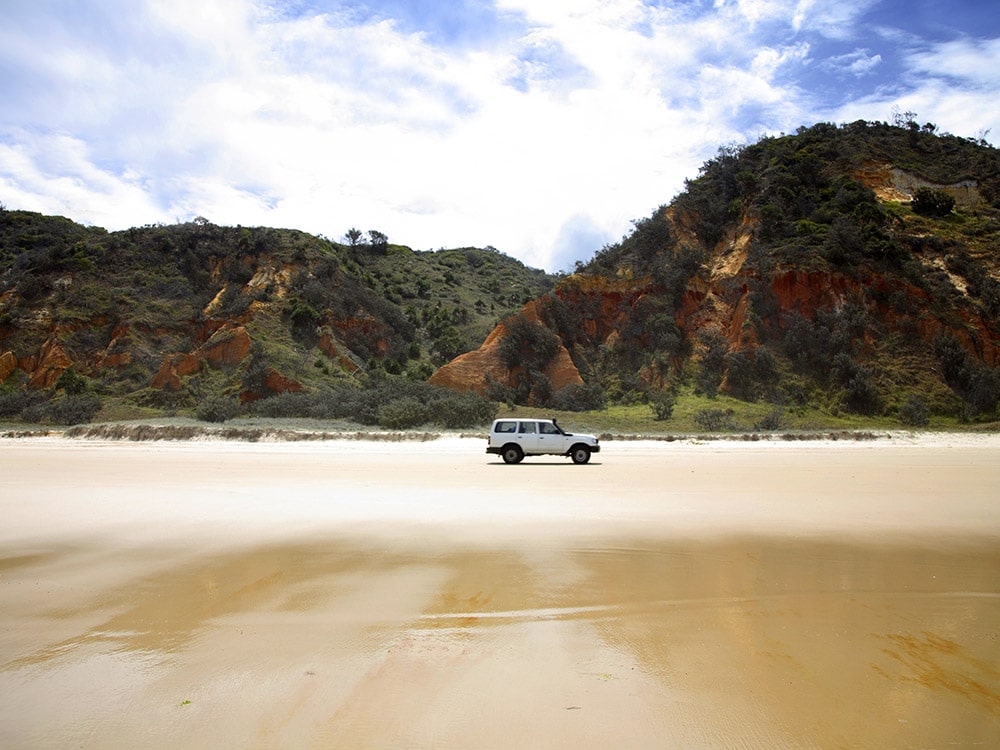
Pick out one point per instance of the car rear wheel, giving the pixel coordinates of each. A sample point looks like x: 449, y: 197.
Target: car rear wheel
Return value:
x: 580, y: 454
x: 512, y: 454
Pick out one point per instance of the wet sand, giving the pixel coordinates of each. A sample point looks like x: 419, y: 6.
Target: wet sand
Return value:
x: 382, y: 595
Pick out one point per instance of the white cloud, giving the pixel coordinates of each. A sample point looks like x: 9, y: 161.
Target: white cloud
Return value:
x: 858, y: 63
x: 56, y: 174
x: 972, y: 61
x: 953, y: 84
x: 537, y: 142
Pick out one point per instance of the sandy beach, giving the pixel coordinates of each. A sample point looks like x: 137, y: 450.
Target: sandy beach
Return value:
x: 425, y: 595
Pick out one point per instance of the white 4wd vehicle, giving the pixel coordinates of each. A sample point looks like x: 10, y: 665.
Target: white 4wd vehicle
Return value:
x: 513, y: 439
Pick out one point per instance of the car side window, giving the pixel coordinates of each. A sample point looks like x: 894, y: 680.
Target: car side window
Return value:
x: 527, y: 427
x: 506, y: 427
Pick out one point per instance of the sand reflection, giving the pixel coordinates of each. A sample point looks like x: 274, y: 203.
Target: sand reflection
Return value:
x: 548, y: 625
x: 761, y: 641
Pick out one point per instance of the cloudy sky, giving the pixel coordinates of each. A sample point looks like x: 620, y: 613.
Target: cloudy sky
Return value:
x: 541, y: 127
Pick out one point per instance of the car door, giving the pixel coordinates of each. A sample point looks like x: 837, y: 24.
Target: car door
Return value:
x: 550, y: 439
x: 527, y: 437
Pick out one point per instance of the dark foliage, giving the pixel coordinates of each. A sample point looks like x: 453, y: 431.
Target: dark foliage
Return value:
x: 931, y: 202
x: 65, y: 410
x: 579, y: 398
x: 715, y: 420
x: 711, y: 363
x: 393, y: 403
x: 662, y: 403
x: 975, y: 383
x: 914, y: 412
x: 12, y: 403
x: 859, y: 393
x: 218, y: 409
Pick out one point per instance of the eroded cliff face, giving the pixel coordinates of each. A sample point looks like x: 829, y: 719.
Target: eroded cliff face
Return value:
x: 175, y: 350
x: 474, y: 370
x: 891, y: 183
x: 728, y: 295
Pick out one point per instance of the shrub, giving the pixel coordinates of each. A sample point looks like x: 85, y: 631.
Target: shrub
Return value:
x: 579, y: 398
x: 527, y: 343
x: 712, y: 364
x: 73, y: 409
x: 773, y: 420
x: 931, y: 202
x: 860, y: 395
x: 539, y: 387
x: 13, y: 403
x: 71, y: 382
x: 739, y: 375
x: 914, y: 412
x: 463, y: 410
x: 976, y: 383
x: 662, y: 403
x: 983, y: 391
x: 403, y: 413
x: 217, y: 409
x: 715, y: 419
x: 497, y: 391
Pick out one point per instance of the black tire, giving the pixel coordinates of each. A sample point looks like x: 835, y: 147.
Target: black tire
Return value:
x: 512, y: 454
x: 580, y: 454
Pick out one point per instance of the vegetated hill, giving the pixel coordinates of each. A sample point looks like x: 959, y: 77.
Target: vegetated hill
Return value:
x: 850, y: 268
x: 170, y: 316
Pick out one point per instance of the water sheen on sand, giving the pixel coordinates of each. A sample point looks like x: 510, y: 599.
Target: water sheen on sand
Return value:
x: 367, y: 595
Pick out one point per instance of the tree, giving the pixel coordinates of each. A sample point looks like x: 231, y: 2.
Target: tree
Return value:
x: 378, y: 241
x: 528, y: 348
x: 711, y: 364
x: 353, y: 236
x: 662, y: 403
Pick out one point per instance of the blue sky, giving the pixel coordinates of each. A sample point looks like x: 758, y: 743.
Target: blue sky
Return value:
x: 541, y: 127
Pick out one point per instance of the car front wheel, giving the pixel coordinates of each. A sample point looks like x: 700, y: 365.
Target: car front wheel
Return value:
x: 512, y: 454
x: 580, y: 454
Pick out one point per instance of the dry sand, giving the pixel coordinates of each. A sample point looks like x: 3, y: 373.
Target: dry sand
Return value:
x: 376, y: 595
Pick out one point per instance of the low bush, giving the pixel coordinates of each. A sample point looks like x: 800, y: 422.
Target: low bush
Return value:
x: 773, y: 420
x: 13, y: 403
x: 402, y: 414
x: 715, y: 420
x: 67, y: 410
x: 662, y: 404
x: 578, y: 398
x: 931, y: 202
x: 217, y: 409
x: 914, y: 412
x: 463, y: 410
x: 396, y: 403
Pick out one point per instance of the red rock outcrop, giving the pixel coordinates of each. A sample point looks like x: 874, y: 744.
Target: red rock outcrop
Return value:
x: 365, y: 327
x: 226, y: 348
x: 473, y: 370
x: 8, y: 363
x: 329, y: 345
x: 274, y: 383
x: 174, y: 367
x: 46, y: 365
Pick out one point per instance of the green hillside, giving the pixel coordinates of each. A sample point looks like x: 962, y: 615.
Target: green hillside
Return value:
x: 839, y: 276
x: 231, y: 313
x: 841, y: 271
